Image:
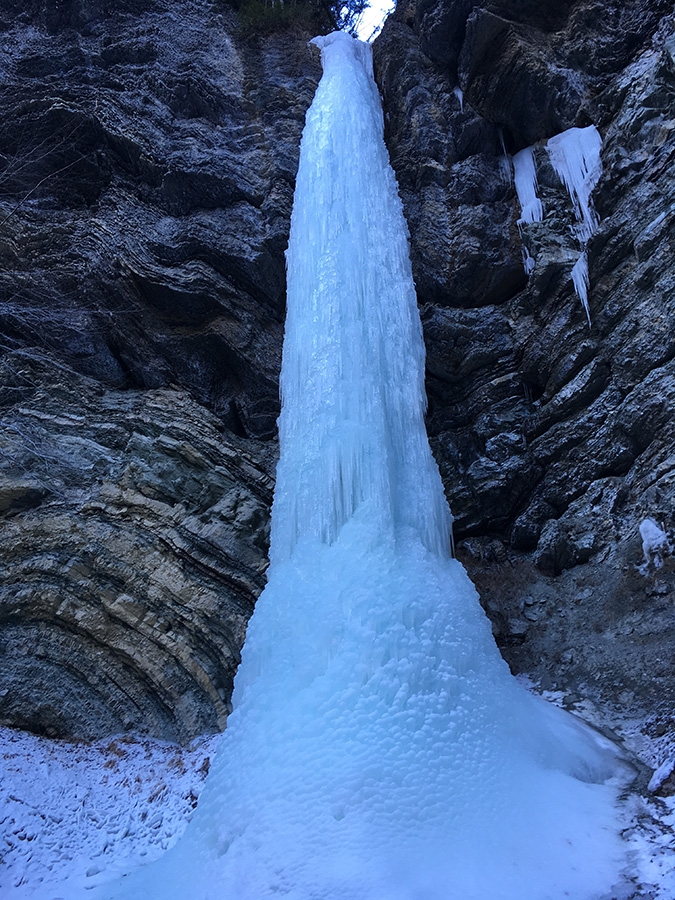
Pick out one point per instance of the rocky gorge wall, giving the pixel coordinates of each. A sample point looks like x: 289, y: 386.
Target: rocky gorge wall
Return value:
x: 148, y: 154
x: 148, y: 161
x: 555, y: 439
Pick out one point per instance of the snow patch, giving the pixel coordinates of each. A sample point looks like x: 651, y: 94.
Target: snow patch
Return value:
x: 664, y: 771
x: 655, y: 544
x: 81, y: 813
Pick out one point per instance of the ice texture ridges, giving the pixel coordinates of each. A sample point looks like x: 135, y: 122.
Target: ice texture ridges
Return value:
x: 352, y: 381
x: 525, y: 177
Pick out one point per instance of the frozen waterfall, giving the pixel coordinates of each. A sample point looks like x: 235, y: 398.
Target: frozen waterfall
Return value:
x: 378, y: 749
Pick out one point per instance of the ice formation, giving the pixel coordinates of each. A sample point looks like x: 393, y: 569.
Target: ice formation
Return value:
x: 459, y: 93
x: 575, y: 155
x: 581, y: 282
x: 531, y: 210
x: 525, y: 176
x: 379, y: 748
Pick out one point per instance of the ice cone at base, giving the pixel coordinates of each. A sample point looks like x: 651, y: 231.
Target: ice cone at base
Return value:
x: 379, y: 748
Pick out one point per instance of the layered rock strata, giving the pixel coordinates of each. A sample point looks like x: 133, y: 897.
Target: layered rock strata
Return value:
x: 148, y: 157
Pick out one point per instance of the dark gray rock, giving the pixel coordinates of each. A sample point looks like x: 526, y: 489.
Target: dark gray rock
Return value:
x: 552, y: 437
x: 147, y: 161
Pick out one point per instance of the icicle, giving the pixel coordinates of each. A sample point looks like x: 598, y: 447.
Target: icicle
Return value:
x: 528, y: 261
x: 575, y: 156
x: 459, y: 93
x: 525, y: 176
x: 531, y: 210
x: 581, y: 282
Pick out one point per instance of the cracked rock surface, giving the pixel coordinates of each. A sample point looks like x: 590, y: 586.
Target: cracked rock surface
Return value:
x: 148, y: 153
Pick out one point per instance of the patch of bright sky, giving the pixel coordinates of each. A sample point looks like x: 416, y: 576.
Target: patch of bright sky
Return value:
x: 372, y: 19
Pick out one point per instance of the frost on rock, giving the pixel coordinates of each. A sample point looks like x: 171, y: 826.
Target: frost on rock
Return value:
x: 378, y: 748
x: 663, y: 773
x: 655, y: 544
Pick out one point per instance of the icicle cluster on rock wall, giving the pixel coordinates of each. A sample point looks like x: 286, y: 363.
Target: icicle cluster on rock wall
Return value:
x: 575, y: 156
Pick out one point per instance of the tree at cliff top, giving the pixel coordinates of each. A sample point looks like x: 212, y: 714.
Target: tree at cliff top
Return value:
x: 319, y: 16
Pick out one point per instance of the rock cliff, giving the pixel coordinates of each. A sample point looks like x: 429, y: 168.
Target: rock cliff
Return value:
x: 147, y: 157
x: 554, y: 438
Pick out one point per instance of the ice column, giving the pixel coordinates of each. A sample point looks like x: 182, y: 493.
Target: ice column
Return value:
x: 379, y: 748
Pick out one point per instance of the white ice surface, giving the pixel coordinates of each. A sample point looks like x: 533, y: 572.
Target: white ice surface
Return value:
x: 531, y: 210
x: 379, y: 748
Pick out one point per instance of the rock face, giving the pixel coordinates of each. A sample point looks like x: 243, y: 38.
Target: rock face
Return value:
x: 147, y: 158
x: 133, y: 546
x: 555, y: 439
x: 148, y: 153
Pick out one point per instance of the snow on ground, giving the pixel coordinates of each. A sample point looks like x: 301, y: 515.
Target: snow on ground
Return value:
x: 84, y: 813
x: 89, y: 811
x: 650, y: 814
